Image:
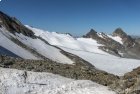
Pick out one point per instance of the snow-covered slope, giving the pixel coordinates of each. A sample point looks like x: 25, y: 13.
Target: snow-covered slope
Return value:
x: 87, y: 49
x: 109, y: 63
x: 44, y: 49
x: 65, y: 40
x: 38, y: 45
x: 14, y: 81
x: 6, y: 43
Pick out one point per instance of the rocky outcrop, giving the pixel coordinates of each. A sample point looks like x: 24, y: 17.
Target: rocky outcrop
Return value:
x: 129, y: 83
x: 91, y: 34
x: 138, y: 40
x: 13, y: 25
x: 119, y: 32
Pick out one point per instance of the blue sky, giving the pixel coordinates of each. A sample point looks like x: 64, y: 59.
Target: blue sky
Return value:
x: 76, y: 16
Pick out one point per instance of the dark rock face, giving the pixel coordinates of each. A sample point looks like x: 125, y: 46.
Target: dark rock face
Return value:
x: 103, y: 40
x: 13, y: 25
x: 119, y: 32
x: 91, y: 34
x: 132, y: 47
x: 127, y: 40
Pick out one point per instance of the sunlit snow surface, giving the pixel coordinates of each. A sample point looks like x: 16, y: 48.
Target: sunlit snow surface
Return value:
x: 108, y: 63
x: 65, y: 40
x: 38, y: 45
x: 87, y: 49
x: 44, y: 49
x: 116, y: 38
x: 13, y: 81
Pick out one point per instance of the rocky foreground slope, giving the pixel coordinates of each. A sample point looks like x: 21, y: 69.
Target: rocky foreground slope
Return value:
x: 127, y: 84
x: 138, y: 40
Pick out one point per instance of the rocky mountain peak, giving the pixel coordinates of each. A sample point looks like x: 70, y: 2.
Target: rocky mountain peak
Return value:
x: 14, y: 26
x: 92, y: 31
x: 92, y: 34
x: 127, y: 40
x: 119, y: 32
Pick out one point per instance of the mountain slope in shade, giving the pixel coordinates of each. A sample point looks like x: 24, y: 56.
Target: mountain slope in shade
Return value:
x: 9, y: 53
x: 6, y: 43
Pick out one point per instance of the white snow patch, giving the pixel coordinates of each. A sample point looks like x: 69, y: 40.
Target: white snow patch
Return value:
x: 116, y: 38
x: 100, y: 35
x: 12, y: 81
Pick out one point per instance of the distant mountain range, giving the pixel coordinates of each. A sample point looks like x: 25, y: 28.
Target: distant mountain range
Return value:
x: 29, y: 41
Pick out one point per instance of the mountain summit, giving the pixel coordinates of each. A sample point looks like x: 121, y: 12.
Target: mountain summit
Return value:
x: 91, y: 34
x: 127, y: 40
x: 119, y: 32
